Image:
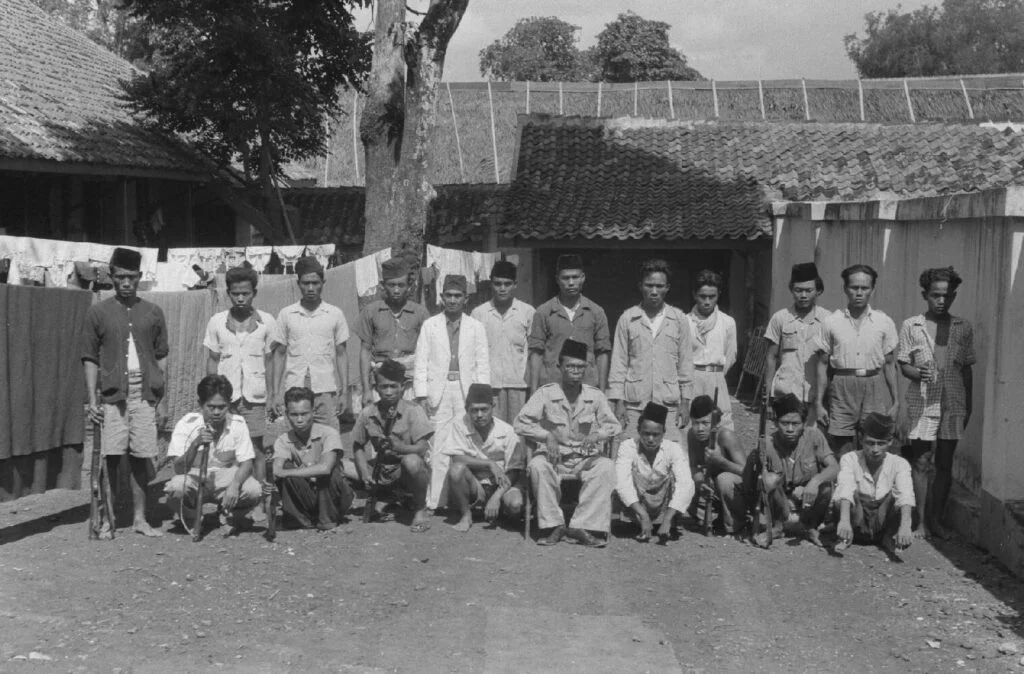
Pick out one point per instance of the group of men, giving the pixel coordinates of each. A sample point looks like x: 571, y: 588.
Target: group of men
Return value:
x: 491, y: 411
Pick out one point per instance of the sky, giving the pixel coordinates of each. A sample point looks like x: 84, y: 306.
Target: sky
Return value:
x: 723, y: 39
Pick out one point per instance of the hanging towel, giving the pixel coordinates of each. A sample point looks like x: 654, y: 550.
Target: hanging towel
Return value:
x: 322, y: 253
x: 234, y: 257
x: 259, y: 257
x: 448, y: 261
x: 367, y: 272
x: 177, y: 274
x: 210, y: 259
x: 289, y: 256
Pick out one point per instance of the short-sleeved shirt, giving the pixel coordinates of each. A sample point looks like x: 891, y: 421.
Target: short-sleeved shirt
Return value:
x: 311, y: 339
x: 552, y: 326
x: 501, y: 446
x: 853, y: 347
x: 948, y: 395
x: 108, y: 327
x: 796, y: 338
x: 242, y: 355
x: 411, y: 426
x: 232, y: 447
x: 671, y: 460
x: 321, y: 439
x: 550, y: 410
x: 855, y: 479
x: 507, y: 336
x: 809, y: 457
x: 386, y: 335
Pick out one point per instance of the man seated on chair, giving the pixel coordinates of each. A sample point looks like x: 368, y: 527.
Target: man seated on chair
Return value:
x: 487, y: 461
x: 653, y: 478
x: 799, y: 470
x: 571, y: 422
x: 398, y: 457
x: 307, y: 467
x: 716, y: 459
x: 875, y: 491
x: 229, y: 482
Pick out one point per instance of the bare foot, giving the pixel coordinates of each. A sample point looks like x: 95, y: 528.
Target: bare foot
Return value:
x: 420, y: 521
x: 464, y: 524
x: 812, y: 535
x: 923, y: 532
x: 146, y: 530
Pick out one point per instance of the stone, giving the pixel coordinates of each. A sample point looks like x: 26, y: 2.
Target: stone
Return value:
x: 1008, y: 648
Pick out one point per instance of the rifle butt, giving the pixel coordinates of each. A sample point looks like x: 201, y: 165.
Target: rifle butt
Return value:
x: 94, y: 485
x: 197, y: 530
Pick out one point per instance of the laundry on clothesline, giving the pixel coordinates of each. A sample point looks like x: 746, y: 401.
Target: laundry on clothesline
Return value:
x: 367, y: 271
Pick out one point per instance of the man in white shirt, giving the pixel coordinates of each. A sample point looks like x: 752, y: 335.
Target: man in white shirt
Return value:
x: 714, y: 342
x: 792, y: 334
x: 239, y: 345
x: 875, y: 491
x: 507, y: 321
x: 487, y: 462
x: 229, y: 467
x: 309, y: 347
x: 652, y: 476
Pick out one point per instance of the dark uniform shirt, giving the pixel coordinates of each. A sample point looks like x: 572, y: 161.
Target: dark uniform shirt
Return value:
x: 551, y: 327
x: 105, y: 342
x: 387, y: 336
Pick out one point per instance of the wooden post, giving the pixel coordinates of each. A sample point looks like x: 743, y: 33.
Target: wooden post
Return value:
x: 527, y: 96
x: 910, y: 105
x: 494, y: 137
x: 327, y: 155
x: 560, y: 108
x: 599, y: 98
x: 967, y: 99
x: 458, y: 142
x: 760, y: 95
x: 355, y: 132
x: 714, y: 96
x: 671, y: 105
x: 636, y: 94
x: 860, y: 94
x: 807, y: 106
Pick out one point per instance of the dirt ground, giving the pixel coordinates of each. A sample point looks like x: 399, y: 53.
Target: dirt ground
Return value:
x: 377, y: 598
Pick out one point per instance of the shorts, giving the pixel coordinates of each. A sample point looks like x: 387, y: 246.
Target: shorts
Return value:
x: 483, y: 490
x: 129, y: 426
x: 255, y: 415
x: 852, y: 398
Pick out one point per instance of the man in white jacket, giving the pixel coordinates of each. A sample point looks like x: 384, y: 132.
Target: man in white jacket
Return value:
x: 451, y: 354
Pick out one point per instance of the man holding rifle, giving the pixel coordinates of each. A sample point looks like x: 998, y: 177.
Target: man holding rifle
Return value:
x: 395, y: 433
x: 716, y: 459
x: 213, y: 429
x: 124, y: 354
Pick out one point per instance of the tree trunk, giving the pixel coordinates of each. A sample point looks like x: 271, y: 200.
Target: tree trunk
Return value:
x: 398, y: 120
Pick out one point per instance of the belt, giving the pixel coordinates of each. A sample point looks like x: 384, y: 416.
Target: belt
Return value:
x: 453, y: 375
x: 709, y: 368
x: 856, y: 373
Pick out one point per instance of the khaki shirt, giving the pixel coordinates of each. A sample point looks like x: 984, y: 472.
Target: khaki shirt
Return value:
x: 648, y: 366
x: 507, y: 336
x: 311, y: 339
x: 795, y: 338
x: 853, y: 347
x: 548, y: 410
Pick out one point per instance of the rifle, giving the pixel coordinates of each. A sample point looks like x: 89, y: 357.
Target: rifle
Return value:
x: 272, y: 496
x: 390, y: 415
x: 707, y: 490
x: 100, y: 501
x: 763, y: 509
x: 197, y: 522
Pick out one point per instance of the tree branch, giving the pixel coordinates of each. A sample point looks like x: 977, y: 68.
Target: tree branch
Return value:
x: 439, y: 25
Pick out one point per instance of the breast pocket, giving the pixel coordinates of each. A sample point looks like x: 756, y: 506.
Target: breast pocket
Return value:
x: 791, y: 339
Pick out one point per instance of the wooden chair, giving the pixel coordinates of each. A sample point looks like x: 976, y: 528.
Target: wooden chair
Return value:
x: 755, y: 360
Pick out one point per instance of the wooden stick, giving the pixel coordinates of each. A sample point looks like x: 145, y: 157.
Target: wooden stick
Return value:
x: 327, y: 155
x: 527, y: 95
x: 458, y: 142
x: 355, y: 133
x: 714, y: 96
x: 807, y: 107
x: 599, y: 98
x: 671, y: 106
x: 967, y: 99
x: 636, y: 94
x: 560, y: 109
x: 760, y: 95
x: 494, y: 137
x: 860, y: 94
x: 910, y: 105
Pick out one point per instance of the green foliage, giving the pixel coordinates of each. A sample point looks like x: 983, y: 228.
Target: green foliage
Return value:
x: 540, y: 49
x: 632, y: 49
x: 106, y: 23
x: 963, y: 37
x: 249, y: 80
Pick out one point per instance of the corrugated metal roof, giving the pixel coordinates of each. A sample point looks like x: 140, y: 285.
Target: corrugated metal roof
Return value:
x: 59, y: 100
x: 629, y: 178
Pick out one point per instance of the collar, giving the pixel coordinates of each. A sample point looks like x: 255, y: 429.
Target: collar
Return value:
x: 867, y: 313
x: 450, y: 321
x: 556, y: 305
x: 406, y: 309
x: 637, y: 312
x: 920, y: 320
x: 299, y: 309
x: 512, y: 307
x: 256, y: 314
x: 587, y: 393
x: 816, y: 315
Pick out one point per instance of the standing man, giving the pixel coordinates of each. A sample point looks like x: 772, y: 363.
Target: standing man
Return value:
x: 451, y: 354
x: 714, y: 343
x: 570, y: 421
x: 239, y: 345
x: 652, y: 360
x: 859, y: 343
x: 124, y: 354
x: 791, y: 333
x: 309, y: 347
x: 936, y: 353
x: 507, y: 321
x: 389, y: 327
x: 569, y: 315
x: 652, y: 476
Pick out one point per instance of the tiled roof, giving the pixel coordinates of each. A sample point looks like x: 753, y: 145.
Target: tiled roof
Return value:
x: 463, y: 150
x: 59, y: 100
x: 458, y: 214
x: 630, y: 178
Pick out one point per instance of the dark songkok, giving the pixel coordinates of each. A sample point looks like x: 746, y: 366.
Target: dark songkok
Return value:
x: 454, y: 282
x: 392, y: 370
x: 569, y: 262
x: 573, y: 349
x: 877, y: 425
x: 701, y: 407
x: 803, y: 272
x: 480, y: 393
x: 504, y: 269
x: 394, y: 268
x: 308, y: 265
x: 654, y: 412
x: 125, y: 258
x: 787, y: 404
